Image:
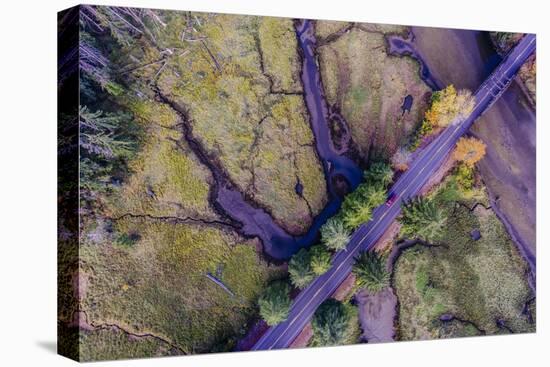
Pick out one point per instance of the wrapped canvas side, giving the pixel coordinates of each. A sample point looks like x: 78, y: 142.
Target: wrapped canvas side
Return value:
x: 68, y: 181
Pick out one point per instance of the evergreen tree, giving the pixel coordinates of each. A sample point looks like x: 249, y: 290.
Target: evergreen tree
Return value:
x: 275, y: 302
x: 319, y: 259
x: 107, y: 141
x: 379, y: 173
x: 356, y: 214
x: 421, y: 218
x: 331, y: 323
x: 375, y: 196
x: 357, y: 206
x: 299, y: 268
x: 370, y: 271
x: 105, y: 134
x: 334, y: 235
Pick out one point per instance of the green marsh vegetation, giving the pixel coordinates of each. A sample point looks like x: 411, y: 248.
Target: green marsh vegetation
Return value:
x: 481, y: 283
x: 144, y: 263
x: 368, y: 86
x: 161, y: 279
x: 245, y: 107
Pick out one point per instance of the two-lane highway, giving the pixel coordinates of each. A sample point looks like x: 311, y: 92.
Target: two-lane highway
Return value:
x: 408, y: 185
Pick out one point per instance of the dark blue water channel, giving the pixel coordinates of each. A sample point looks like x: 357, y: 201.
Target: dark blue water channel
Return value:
x: 399, y: 46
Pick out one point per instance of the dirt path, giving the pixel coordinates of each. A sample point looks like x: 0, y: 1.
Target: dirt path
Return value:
x: 377, y: 314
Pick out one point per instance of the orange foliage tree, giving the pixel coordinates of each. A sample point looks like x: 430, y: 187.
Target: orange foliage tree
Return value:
x: 446, y: 106
x: 469, y: 151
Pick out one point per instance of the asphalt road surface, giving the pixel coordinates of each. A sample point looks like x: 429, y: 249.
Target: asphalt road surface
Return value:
x: 408, y: 185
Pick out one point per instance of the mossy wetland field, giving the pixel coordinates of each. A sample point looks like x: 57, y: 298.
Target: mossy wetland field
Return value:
x: 224, y: 161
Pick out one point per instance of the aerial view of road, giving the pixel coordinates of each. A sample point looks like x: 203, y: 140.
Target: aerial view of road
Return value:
x: 408, y: 185
x: 235, y: 182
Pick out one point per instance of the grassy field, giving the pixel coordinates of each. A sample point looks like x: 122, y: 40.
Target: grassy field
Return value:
x: 369, y: 86
x: 148, y: 241
x: 279, y: 50
x: 326, y: 28
x: 157, y: 284
x: 167, y: 179
x: 260, y: 137
x: 480, y: 283
x: 107, y: 344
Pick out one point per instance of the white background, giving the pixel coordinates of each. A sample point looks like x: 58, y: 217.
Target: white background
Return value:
x: 28, y: 181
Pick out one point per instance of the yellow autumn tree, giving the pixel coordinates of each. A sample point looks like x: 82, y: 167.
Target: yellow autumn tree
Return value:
x: 469, y: 151
x: 448, y: 105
